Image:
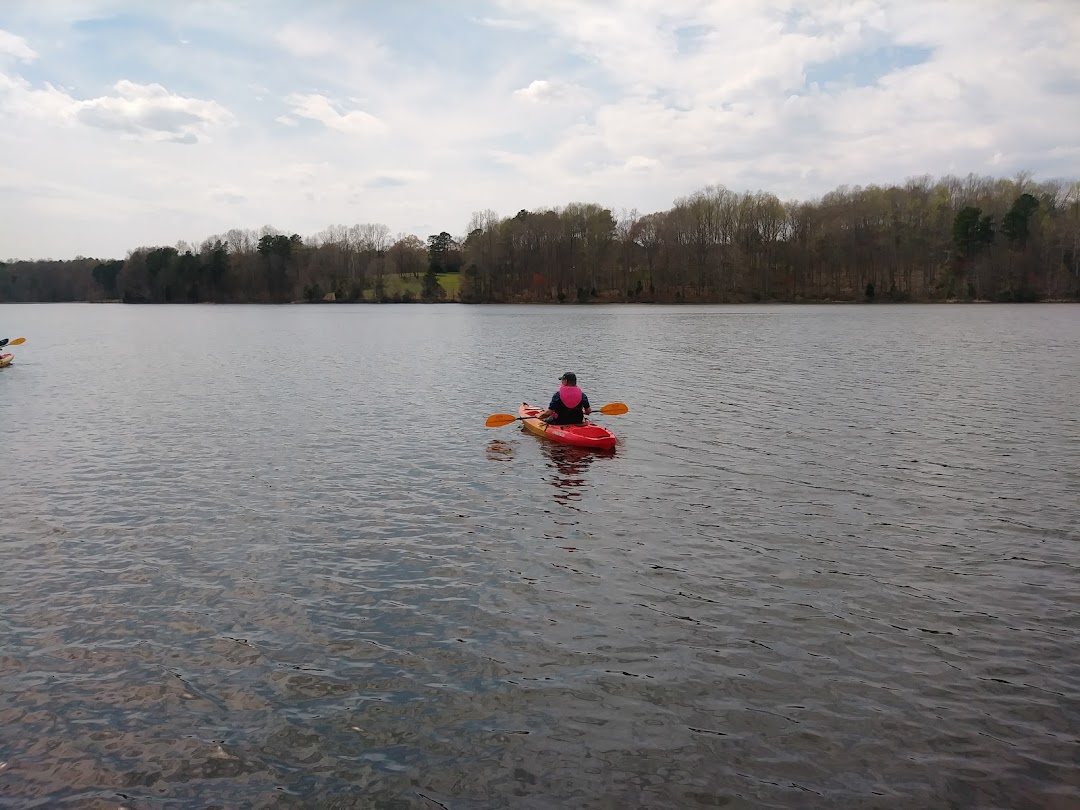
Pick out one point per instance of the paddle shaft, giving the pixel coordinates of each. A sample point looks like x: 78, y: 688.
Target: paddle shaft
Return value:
x: 503, y: 419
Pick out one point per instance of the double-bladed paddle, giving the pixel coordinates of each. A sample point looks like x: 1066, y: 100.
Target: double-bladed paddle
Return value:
x: 502, y: 419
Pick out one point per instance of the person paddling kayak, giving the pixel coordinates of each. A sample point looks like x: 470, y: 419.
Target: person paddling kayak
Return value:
x: 568, y: 405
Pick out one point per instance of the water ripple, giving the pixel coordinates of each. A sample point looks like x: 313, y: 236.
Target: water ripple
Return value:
x: 832, y: 562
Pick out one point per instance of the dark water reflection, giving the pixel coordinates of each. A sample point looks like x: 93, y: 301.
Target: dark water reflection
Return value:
x: 843, y: 575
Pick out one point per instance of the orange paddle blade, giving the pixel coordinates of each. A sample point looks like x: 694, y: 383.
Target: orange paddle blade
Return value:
x: 615, y: 409
x: 17, y: 341
x: 500, y: 419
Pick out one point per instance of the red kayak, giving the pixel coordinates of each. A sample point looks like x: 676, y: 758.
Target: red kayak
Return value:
x: 584, y: 435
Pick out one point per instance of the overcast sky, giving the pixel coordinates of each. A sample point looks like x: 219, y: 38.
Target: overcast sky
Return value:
x: 126, y: 123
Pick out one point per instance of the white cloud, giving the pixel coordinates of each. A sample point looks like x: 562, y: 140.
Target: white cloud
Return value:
x: 19, y: 100
x: 319, y: 108
x: 15, y: 47
x: 148, y: 112
x: 543, y: 91
x: 152, y: 112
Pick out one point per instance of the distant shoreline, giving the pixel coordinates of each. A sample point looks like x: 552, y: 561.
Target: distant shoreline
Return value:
x: 569, y: 304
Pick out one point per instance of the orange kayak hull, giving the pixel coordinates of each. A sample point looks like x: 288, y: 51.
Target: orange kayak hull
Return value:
x: 5, y: 360
x: 583, y: 435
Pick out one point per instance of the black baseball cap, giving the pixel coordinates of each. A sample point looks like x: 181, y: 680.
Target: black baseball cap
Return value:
x: 570, y: 377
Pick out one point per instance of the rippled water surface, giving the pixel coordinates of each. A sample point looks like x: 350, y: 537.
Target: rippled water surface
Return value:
x: 271, y: 557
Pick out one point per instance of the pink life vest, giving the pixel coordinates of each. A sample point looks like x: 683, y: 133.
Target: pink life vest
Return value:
x: 570, y: 395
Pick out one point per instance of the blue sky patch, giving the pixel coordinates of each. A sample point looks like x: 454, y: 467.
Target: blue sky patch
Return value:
x: 866, y: 68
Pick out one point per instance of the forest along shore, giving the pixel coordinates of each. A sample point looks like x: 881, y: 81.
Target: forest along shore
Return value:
x: 955, y: 239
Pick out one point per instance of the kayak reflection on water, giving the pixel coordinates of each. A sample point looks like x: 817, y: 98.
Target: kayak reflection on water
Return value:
x: 570, y: 463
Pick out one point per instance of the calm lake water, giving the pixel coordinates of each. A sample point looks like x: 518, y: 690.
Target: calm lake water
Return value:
x: 271, y: 557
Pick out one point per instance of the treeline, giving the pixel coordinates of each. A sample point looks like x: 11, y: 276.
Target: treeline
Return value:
x: 976, y: 238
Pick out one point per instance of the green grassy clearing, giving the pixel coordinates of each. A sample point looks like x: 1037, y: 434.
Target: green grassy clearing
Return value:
x: 396, y: 285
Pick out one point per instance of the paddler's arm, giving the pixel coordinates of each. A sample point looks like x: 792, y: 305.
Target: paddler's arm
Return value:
x: 550, y: 409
